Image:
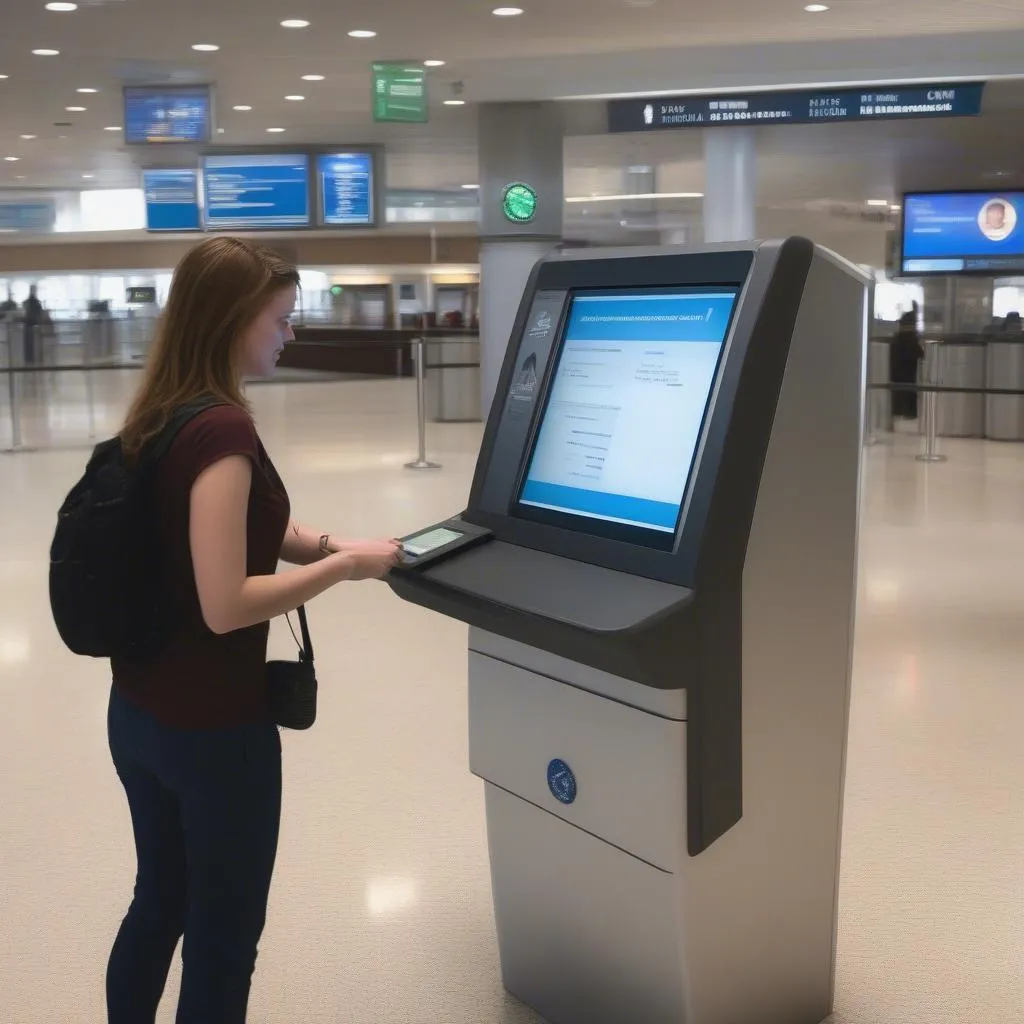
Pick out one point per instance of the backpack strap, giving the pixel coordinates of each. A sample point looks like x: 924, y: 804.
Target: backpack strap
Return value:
x: 158, y: 446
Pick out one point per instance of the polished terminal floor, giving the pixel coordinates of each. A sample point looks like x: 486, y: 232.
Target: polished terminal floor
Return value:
x: 381, y: 912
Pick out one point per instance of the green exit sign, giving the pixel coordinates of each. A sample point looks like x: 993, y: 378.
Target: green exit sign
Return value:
x: 400, y: 93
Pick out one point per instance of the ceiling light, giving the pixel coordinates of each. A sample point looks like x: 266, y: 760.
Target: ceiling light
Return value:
x: 88, y: 176
x: 295, y: 23
x: 895, y: 207
x: 878, y: 202
x: 454, y: 103
x: 276, y: 131
x: 362, y: 33
x: 205, y: 47
x: 507, y: 12
x: 113, y: 128
x: 12, y: 159
x: 471, y: 186
x: 76, y: 110
x: 87, y: 91
x: 62, y: 8
x: 295, y: 98
x: 242, y: 106
x: 20, y: 177
x: 433, y: 63
x: 46, y: 53
x: 312, y: 78
x: 28, y: 138
x: 4, y: 76
x: 631, y: 197
x: 816, y: 8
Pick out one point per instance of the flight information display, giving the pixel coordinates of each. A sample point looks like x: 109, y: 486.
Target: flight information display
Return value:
x: 345, y: 185
x: 257, y: 191
x: 167, y: 114
x: 797, y: 106
x: 963, y: 233
x: 627, y: 405
x: 172, y: 199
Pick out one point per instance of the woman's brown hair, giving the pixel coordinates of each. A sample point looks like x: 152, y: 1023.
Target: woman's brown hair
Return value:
x: 218, y: 289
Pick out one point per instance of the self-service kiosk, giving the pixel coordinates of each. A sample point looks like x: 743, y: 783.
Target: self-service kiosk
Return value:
x: 657, y: 564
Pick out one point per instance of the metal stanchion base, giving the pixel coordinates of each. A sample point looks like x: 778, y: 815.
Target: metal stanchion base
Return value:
x: 422, y: 464
x: 930, y: 458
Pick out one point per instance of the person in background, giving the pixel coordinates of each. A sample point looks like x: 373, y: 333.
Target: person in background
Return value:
x: 191, y: 732
x: 34, y: 316
x: 905, y: 355
x: 1013, y: 324
x: 8, y: 306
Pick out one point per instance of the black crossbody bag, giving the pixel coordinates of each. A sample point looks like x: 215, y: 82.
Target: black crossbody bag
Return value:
x: 293, y: 685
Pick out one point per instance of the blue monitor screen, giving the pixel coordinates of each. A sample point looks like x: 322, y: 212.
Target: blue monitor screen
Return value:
x: 345, y: 184
x: 963, y: 232
x: 626, y: 407
x: 267, y: 190
x: 163, y: 114
x: 172, y: 200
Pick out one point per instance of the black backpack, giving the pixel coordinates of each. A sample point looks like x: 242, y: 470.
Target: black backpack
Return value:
x: 105, y: 587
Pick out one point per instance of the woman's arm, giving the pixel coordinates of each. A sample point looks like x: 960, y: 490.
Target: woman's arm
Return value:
x: 302, y: 546
x: 229, y: 598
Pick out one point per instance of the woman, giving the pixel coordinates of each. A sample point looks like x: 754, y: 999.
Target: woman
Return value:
x: 190, y: 730
x: 905, y: 354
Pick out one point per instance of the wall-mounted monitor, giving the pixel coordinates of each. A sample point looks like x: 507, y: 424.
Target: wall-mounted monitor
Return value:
x: 163, y: 114
x: 172, y: 199
x: 346, y: 183
x: 624, y: 413
x: 962, y: 233
x: 256, y: 191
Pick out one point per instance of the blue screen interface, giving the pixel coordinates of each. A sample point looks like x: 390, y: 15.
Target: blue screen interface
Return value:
x: 627, y: 406
x: 166, y: 114
x: 345, y: 183
x: 172, y: 200
x: 961, y: 232
x: 269, y: 190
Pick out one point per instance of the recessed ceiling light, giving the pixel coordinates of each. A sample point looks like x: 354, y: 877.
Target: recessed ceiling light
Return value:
x: 454, y: 103
x: 76, y: 110
x: 46, y: 53
x: 86, y: 91
x: 295, y: 23
x: 62, y: 8
x: 312, y: 78
x: 88, y: 175
x: 242, y: 106
x: 816, y: 8
x: 28, y: 138
x: 434, y: 63
x: 113, y: 128
x: 221, y: 131
x: 471, y: 186
x: 20, y: 177
x: 878, y: 202
x: 296, y: 98
x: 12, y: 159
x: 362, y: 33
x: 507, y: 12
x: 276, y: 131
x: 205, y: 47
x: 4, y: 76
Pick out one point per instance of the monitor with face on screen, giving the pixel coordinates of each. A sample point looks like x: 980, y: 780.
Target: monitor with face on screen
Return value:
x: 617, y: 439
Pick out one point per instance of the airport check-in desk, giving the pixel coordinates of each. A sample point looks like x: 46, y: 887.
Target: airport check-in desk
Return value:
x: 657, y: 564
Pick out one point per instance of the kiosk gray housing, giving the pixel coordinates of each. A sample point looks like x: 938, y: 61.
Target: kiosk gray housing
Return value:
x: 697, y: 693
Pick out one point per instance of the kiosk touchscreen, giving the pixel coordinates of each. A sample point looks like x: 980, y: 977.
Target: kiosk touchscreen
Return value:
x: 657, y: 563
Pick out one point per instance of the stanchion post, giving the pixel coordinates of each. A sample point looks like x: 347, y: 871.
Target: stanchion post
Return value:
x: 13, y: 392
x: 421, y: 461
x: 929, y: 452
x: 90, y: 397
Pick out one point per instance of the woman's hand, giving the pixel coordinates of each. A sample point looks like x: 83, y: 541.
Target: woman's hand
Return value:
x: 370, y: 559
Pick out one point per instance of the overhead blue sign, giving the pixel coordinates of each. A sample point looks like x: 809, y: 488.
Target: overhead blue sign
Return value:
x: 163, y: 114
x: 345, y: 182
x: 172, y: 200
x: 265, y: 190
x: 803, y: 106
x: 37, y: 216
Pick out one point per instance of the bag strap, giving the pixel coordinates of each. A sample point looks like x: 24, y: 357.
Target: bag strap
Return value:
x: 306, y: 654
x: 158, y: 446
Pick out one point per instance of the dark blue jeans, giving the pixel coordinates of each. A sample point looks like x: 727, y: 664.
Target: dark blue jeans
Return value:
x: 206, y: 811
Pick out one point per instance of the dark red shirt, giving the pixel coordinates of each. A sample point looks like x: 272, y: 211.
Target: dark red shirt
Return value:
x: 202, y: 680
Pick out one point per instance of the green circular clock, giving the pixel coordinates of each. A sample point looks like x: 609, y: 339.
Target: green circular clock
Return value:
x: 519, y: 203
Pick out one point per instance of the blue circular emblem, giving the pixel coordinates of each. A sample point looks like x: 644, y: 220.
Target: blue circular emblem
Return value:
x: 561, y: 782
